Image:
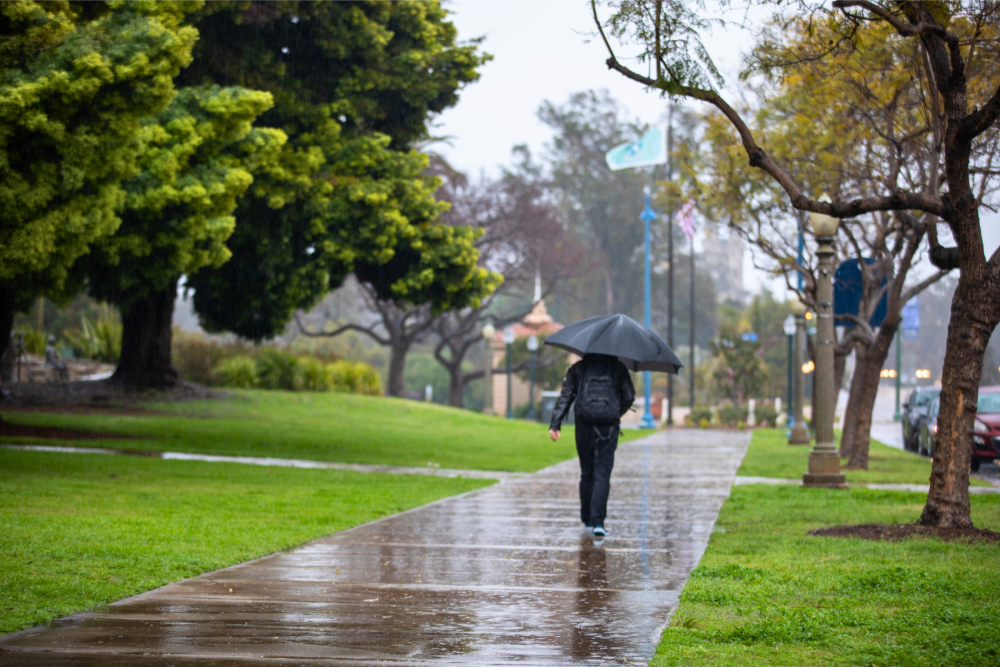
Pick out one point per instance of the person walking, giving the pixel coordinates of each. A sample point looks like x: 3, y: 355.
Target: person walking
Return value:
x: 602, y: 388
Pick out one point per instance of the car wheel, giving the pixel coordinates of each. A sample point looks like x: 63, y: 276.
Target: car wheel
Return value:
x: 974, y: 464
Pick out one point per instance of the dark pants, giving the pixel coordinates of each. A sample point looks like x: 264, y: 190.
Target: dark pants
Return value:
x: 597, y: 457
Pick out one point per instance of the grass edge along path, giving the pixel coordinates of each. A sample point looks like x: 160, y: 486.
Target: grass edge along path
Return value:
x: 322, y: 427
x: 81, y: 531
x: 770, y: 455
x: 766, y: 592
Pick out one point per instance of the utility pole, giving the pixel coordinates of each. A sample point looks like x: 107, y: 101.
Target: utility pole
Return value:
x: 670, y: 262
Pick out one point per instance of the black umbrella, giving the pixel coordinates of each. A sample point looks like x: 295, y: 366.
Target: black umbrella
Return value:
x: 618, y: 336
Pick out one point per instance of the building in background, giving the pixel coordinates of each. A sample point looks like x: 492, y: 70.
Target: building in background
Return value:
x: 537, y: 322
x: 723, y: 257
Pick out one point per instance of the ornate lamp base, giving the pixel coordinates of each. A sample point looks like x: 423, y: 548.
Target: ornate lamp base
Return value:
x: 824, y: 469
x: 799, y: 435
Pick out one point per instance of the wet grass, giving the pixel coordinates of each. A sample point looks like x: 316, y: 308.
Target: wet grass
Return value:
x: 324, y: 427
x: 79, y: 531
x: 766, y: 593
x: 770, y: 455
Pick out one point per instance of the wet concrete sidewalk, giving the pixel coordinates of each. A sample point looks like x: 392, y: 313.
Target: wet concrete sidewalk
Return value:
x: 504, y: 575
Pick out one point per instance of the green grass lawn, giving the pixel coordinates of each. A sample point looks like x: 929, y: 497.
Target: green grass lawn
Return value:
x: 766, y: 593
x: 82, y: 530
x: 325, y: 427
x: 771, y: 456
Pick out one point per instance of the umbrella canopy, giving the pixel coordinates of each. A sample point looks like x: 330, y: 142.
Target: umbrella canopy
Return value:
x: 619, y: 336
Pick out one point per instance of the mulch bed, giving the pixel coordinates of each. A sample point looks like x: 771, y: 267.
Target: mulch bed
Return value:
x: 9, y: 430
x: 897, y: 533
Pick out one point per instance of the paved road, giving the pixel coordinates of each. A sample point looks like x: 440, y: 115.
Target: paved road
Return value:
x: 501, y: 576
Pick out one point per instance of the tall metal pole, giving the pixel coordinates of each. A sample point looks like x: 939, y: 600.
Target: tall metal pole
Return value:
x: 647, y: 216
x: 824, y: 460
x: 899, y: 371
x: 531, y: 392
x: 670, y: 263
x: 691, y: 375
x: 799, y: 435
x: 791, y: 402
x: 510, y: 412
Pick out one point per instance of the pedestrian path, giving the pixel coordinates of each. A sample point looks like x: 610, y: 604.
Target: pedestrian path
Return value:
x: 500, y: 576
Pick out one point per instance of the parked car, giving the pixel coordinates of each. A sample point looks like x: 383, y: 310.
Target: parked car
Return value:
x: 986, y: 432
x: 926, y: 424
x: 914, y: 410
x: 986, y: 428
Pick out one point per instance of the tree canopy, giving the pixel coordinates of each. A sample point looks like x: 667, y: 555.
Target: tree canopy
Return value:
x: 354, y: 85
x: 76, y: 81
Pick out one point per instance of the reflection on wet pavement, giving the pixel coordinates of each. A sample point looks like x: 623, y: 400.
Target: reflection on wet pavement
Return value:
x: 504, y: 575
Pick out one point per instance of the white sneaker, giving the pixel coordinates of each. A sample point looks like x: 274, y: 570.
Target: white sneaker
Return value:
x: 599, y: 531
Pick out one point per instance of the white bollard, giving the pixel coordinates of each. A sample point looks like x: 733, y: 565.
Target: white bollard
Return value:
x: 663, y: 412
x: 750, y: 408
x: 777, y: 405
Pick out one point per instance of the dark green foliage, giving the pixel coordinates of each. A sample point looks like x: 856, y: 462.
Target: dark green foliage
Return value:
x: 737, y: 369
x: 731, y: 415
x: 354, y: 85
x: 766, y: 415
x: 700, y: 413
x: 75, y: 83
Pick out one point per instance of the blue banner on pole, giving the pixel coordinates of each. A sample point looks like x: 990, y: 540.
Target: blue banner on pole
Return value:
x: 911, y: 319
x: 848, y: 286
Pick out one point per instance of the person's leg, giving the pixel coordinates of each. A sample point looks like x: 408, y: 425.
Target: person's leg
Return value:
x: 604, y: 461
x: 585, y: 450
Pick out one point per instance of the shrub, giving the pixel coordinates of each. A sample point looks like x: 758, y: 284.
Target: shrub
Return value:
x: 315, y: 376
x: 703, y: 423
x: 100, y: 340
x: 236, y: 372
x: 196, y: 357
x: 699, y: 414
x: 354, y: 377
x: 766, y: 415
x: 278, y: 369
x: 731, y: 415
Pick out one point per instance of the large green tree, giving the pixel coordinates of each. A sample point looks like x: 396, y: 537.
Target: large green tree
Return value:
x: 76, y: 81
x: 198, y: 157
x: 355, y: 85
x: 956, y: 45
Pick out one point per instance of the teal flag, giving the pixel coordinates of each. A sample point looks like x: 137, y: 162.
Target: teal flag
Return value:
x: 649, y: 149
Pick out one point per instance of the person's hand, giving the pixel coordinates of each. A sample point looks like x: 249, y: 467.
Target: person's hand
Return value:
x: 554, y: 434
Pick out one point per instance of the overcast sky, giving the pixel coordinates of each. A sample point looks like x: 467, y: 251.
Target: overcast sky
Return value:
x: 544, y: 50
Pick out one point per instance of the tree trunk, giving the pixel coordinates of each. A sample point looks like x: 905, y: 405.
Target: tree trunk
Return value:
x: 146, y: 335
x: 397, y: 366
x: 7, y: 296
x: 456, y: 386
x: 877, y: 353
x: 839, y: 366
x: 849, y: 427
x: 974, y: 314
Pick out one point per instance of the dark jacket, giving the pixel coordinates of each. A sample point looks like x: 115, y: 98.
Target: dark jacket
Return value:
x: 571, y: 385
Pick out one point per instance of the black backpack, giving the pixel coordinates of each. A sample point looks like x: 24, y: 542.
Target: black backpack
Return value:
x: 598, y: 401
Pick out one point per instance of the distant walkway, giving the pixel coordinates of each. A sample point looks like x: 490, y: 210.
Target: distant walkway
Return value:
x: 279, y: 462
x: 501, y: 576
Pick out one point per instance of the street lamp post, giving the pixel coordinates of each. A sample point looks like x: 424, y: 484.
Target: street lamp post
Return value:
x: 647, y: 215
x: 799, y: 434
x: 790, y: 332
x: 824, y: 460
x: 898, y: 416
x: 532, y: 347
x: 508, y: 339
x: 488, y: 332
